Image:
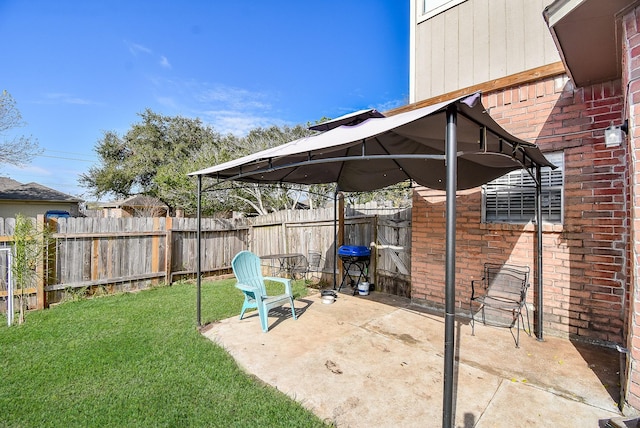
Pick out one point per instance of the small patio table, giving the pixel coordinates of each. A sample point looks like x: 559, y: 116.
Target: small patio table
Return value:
x: 283, y: 262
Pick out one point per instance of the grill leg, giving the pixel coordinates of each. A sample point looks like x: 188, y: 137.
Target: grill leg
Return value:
x: 353, y: 263
x: 346, y: 265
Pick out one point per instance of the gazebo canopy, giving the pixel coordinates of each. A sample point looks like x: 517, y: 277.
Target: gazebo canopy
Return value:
x: 451, y: 146
x: 380, y: 151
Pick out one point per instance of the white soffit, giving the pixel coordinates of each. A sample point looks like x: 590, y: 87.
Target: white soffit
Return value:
x: 588, y: 35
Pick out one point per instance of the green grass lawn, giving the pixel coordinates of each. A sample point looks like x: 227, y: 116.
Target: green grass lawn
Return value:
x: 134, y: 360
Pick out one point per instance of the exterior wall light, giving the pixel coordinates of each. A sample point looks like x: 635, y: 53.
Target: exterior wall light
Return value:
x: 613, y: 135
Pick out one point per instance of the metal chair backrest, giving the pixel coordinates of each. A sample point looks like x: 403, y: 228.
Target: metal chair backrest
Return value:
x: 506, y: 281
x: 314, y: 261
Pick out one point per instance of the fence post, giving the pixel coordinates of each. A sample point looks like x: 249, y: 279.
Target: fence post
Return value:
x: 340, y: 232
x: 156, y: 263
x: 168, y: 250
x: 40, y: 264
x: 374, y: 254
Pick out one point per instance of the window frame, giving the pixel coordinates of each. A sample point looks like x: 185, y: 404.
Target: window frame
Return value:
x: 551, y: 184
x: 437, y: 6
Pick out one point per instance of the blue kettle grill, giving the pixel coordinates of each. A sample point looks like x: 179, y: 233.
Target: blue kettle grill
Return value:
x: 355, y: 259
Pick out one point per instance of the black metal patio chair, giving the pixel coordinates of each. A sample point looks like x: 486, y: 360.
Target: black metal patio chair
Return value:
x: 500, y: 297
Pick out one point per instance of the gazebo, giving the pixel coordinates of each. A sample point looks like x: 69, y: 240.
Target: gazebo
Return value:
x: 453, y: 145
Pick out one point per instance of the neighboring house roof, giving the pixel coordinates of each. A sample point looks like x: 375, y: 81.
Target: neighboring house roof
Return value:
x: 135, y: 201
x: 11, y: 190
x: 7, y: 183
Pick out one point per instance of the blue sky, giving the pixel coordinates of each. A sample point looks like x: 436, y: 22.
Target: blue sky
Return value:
x: 79, y: 68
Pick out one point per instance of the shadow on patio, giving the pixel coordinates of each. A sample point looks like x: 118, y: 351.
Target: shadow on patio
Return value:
x: 378, y: 361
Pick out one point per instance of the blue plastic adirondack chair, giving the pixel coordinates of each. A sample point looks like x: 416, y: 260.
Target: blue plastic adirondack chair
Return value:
x: 248, y: 272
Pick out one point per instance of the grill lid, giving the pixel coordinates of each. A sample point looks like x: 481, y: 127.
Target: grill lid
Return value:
x: 354, y: 251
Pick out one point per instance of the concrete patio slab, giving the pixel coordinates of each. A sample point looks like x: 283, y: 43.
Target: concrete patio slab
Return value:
x: 359, y: 363
x: 517, y: 405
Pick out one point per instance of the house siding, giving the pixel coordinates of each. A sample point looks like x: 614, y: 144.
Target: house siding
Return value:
x: 585, y: 274
x: 34, y: 208
x: 477, y: 41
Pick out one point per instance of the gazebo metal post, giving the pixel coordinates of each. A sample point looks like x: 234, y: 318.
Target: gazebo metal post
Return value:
x: 198, y: 253
x: 451, y: 160
x: 335, y: 237
x: 539, y: 283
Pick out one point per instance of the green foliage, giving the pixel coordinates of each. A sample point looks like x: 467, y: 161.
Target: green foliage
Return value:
x: 264, y: 138
x: 399, y: 195
x: 265, y: 198
x: 25, y: 252
x: 156, y: 154
x: 320, y: 194
x: 135, y: 360
x: 112, y: 176
x: 131, y: 163
x: 179, y: 190
x: 28, y: 246
x: 75, y: 294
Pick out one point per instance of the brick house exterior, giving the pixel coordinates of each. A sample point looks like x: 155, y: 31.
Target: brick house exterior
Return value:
x: 592, y: 258
x: 584, y: 258
x: 631, y: 73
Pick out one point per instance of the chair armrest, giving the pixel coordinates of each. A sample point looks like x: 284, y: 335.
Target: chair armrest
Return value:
x: 473, y: 288
x: 250, y: 289
x: 285, y: 281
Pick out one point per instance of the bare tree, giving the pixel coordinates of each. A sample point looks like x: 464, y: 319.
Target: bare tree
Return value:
x: 16, y: 150
x: 151, y: 210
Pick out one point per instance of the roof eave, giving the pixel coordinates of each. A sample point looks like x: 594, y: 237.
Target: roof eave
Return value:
x: 588, y: 34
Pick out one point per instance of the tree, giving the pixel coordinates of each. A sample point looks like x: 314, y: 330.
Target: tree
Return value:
x: 28, y: 247
x: 399, y: 195
x: 262, y: 198
x: 265, y: 198
x: 149, y: 158
x: 179, y: 190
x: 156, y: 155
x: 14, y: 150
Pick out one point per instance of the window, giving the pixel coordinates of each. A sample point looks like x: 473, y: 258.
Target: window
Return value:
x: 512, y: 197
x: 434, y: 7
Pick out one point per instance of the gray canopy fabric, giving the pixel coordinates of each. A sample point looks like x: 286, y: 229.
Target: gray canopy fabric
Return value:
x: 381, y: 151
x: 451, y: 145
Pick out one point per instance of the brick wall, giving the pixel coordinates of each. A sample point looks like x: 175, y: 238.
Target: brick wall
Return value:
x: 631, y: 79
x: 585, y: 258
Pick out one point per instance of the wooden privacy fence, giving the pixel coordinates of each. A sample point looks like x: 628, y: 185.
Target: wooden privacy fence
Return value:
x: 103, y: 255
